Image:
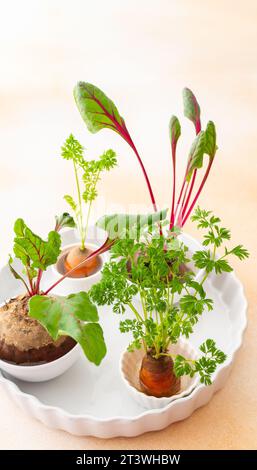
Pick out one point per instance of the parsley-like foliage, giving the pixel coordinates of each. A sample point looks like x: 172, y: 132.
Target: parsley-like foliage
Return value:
x: 145, y: 274
x: 88, y: 173
x: 214, y: 237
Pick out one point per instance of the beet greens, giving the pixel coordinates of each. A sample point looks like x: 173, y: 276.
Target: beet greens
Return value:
x: 35, y: 253
x: 73, y: 315
x: 99, y: 112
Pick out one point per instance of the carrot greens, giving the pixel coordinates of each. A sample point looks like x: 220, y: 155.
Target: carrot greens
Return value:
x: 144, y: 276
x: 87, y: 175
x: 75, y: 314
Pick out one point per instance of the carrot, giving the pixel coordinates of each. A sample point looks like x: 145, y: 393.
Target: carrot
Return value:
x: 157, y: 377
x: 77, y: 256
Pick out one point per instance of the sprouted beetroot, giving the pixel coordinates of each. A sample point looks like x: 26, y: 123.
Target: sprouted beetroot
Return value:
x: 99, y: 112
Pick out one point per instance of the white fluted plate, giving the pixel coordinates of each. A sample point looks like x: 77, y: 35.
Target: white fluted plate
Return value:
x: 93, y: 401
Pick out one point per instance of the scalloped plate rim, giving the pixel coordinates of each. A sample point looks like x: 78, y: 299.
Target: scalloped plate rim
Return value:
x: 13, y: 388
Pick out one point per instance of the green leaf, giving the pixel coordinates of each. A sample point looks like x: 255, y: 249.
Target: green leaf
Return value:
x: 73, y: 150
x: 118, y: 224
x: 21, y: 253
x: 19, y: 227
x: 212, y: 354
x: 214, y: 220
x: 196, y: 154
x: 210, y: 140
x: 221, y: 265
x: 193, y: 306
x: 205, y: 366
x: 182, y: 367
x: 96, y: 109
x: 69, y: 199
x: 92, y: 173
x: 201, y: 215
x: 240, y: 252
x: 175, y: 129
x: 67, y: 316
x: 82, y: 306
x: 198, y: 288
x: 93, y: 343
x: 64, y: 220
x: 191, y: 107
x: 107, y: 160
x: 215, y: 236
x: 30, y: 271
x: 203, y: 260
x: 30, y: 248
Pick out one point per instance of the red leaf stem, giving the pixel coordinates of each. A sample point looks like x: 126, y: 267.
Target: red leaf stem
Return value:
x: 105, y: 247
x: 199, y: 191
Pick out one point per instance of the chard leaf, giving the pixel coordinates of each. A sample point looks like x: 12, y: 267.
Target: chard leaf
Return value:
x: 191, y: 107
x: 175, y: 129
x: 64, y: 220
x: 96, y: 109
x: 210, y: 140
x: 19, y: 227
x: 118, y: 224
x: 197, y: 152
x: 67, y: 316
x: 21, y: 253
x: 32, y: 250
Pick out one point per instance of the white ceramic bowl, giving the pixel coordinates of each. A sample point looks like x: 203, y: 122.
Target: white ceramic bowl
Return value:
x: 42, y: 372
x: 70, y: 238
x: 130, y: 364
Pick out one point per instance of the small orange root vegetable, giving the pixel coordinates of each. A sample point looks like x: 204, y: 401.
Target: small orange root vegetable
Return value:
x: 76, y: 256
x: 157, y: 377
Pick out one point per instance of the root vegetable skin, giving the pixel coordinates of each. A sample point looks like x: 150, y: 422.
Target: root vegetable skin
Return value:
x: 157, y: 377
x: 23, y: 340
x: 75, y: 257
x: 43, y: 328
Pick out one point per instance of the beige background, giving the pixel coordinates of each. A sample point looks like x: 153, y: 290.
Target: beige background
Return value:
x: 142, y: 53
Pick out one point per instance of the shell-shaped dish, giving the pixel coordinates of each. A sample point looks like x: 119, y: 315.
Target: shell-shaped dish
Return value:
x: 130, y: 364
